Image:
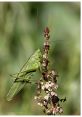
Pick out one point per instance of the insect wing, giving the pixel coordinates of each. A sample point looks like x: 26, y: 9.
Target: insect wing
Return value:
x: 17, y: 86
x: 32, y: 64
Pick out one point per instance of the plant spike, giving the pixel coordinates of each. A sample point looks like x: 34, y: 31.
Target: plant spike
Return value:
x: 45, y: 60
x: 47, y: 85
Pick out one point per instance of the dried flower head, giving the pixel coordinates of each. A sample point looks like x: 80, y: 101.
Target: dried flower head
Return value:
x: 46, y: 95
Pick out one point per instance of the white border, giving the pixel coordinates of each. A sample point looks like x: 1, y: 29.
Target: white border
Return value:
x: 80, y: 46
x: 81, y: 60
x: 40, y: 0
x: 39, y: 116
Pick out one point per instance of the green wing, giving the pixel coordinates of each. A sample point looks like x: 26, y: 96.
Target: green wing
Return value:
x: 16, y: 87
x: 30, y: 66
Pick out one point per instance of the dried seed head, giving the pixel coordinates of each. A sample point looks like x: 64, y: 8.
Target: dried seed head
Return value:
x: 47, y: 86
x: 60, y: 110
x: 54, y: 111
x: 49, y: 112
x: 46, y: 30
x: 46, y: 97
x: 35, y: 97
x: 40, y: 104
x: 53, y: 93
x: 55, y: 99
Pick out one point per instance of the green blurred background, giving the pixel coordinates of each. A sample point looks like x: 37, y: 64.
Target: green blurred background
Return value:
x: 21, y: 33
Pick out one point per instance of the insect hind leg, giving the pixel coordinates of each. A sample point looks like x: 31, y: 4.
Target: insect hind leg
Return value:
x: 22, y: 80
